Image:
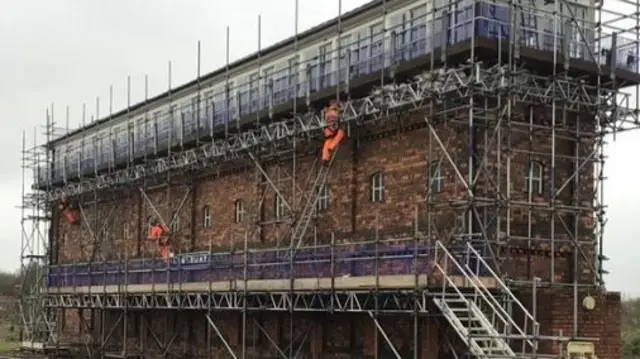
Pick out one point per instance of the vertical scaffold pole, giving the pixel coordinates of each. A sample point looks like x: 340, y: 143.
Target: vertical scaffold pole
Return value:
x: 245, y: 276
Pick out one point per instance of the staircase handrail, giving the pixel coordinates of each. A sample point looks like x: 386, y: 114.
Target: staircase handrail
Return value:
x: 453, y: 285
x: 505, y: 288
x: 500, y: 313
x: 511, y: 321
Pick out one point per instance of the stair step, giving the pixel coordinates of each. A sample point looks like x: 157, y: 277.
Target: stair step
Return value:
x: 473, y: 317
x: 474, y: 327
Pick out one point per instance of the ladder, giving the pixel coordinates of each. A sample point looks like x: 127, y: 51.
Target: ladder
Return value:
x: 476, y: 314
x: 300, y: 229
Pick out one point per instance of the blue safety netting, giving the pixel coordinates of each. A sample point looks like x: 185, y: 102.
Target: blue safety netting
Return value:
x: 405, y: 42
x: 353, y: 260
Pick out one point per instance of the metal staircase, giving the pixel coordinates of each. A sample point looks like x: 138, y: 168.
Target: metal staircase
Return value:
x: 475, y: 313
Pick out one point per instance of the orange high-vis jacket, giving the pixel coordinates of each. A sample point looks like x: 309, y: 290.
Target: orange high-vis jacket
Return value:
x: 70, y: 215
x: 158, y: 231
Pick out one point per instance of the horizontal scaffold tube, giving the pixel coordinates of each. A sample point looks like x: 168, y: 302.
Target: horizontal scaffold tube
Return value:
x: 431, y: 86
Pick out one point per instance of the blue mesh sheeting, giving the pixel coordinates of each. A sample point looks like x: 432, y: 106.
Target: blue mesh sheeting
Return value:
x: 366, y: 56
x: 353, y: 260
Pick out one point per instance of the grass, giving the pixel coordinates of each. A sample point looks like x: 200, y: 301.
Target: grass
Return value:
x: 8, y: 346
x: 8, y: 338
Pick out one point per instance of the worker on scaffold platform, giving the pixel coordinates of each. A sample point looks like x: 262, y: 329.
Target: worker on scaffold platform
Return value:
x: 333, y: 135
x: 68, y: 211
x: 160, y: 233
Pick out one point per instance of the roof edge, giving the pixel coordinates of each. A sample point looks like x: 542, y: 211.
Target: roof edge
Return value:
x: 237, y: 63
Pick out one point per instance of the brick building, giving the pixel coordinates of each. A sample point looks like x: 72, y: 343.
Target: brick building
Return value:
x: 469, y: 190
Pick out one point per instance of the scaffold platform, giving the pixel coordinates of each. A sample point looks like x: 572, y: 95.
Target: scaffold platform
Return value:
x: 362, y: 266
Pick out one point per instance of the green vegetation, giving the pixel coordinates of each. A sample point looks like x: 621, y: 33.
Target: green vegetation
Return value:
x: 631, y: 328
x: 8, y: 312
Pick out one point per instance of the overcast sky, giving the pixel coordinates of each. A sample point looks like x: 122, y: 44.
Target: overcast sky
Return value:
x: 68, y: 52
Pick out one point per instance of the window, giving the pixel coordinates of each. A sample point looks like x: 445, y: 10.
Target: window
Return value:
x: 194, y: 104
x: 418, y: 29
x: 103, y: 236
x: 533, y: 179
x: 254, y: 91
x: 206, y: 216
x: 125, y: 230
x: 280, y: 207
x: 239, y: 211
x: 377, y: 39
x: 377, y: 187
x: 148, y: 226
x: 323, y: 198
x: 436, y: 179
x: 324, y: 65
x: 344, y: 46
x: 294, y: 71
x: 325, y: 58
x: 207, y: 104
x: 175, y: 222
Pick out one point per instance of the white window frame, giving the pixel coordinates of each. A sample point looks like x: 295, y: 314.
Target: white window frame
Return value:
x: 280, y: 207
x: 238, y: 211
x: 175, y: 222
x: 208, y: 104
x: 534, y: 177
x: 125, y: 230
x: 377, y: 187
x: 345, y: 43
x: 206, y: 216
x: 322, y: 204
x: 267, y: 76
x: 194, y: 103
x: 325, y: 58
x: 436, y: 178
x: 148, y: 225
x: 174, y: 110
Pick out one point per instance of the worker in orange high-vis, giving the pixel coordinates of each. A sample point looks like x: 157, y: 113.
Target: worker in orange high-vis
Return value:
x: 160, y: 233
x: 68, y: 212
x: 333, y: 135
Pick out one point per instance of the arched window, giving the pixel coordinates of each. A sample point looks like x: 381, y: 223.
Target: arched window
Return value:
x: 206, y: 216
x: 533, y: 179
x: 238, y: 211
x: 377, y: 187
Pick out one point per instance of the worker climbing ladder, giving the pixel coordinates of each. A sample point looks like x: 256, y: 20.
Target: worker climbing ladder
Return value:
x: 334, y: 135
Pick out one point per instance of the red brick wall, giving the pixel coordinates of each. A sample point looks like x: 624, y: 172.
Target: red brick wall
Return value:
x: 404, y: 156
x: 555, y: 313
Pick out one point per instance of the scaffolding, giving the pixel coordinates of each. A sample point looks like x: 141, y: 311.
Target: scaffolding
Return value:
x: 523, y: 83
